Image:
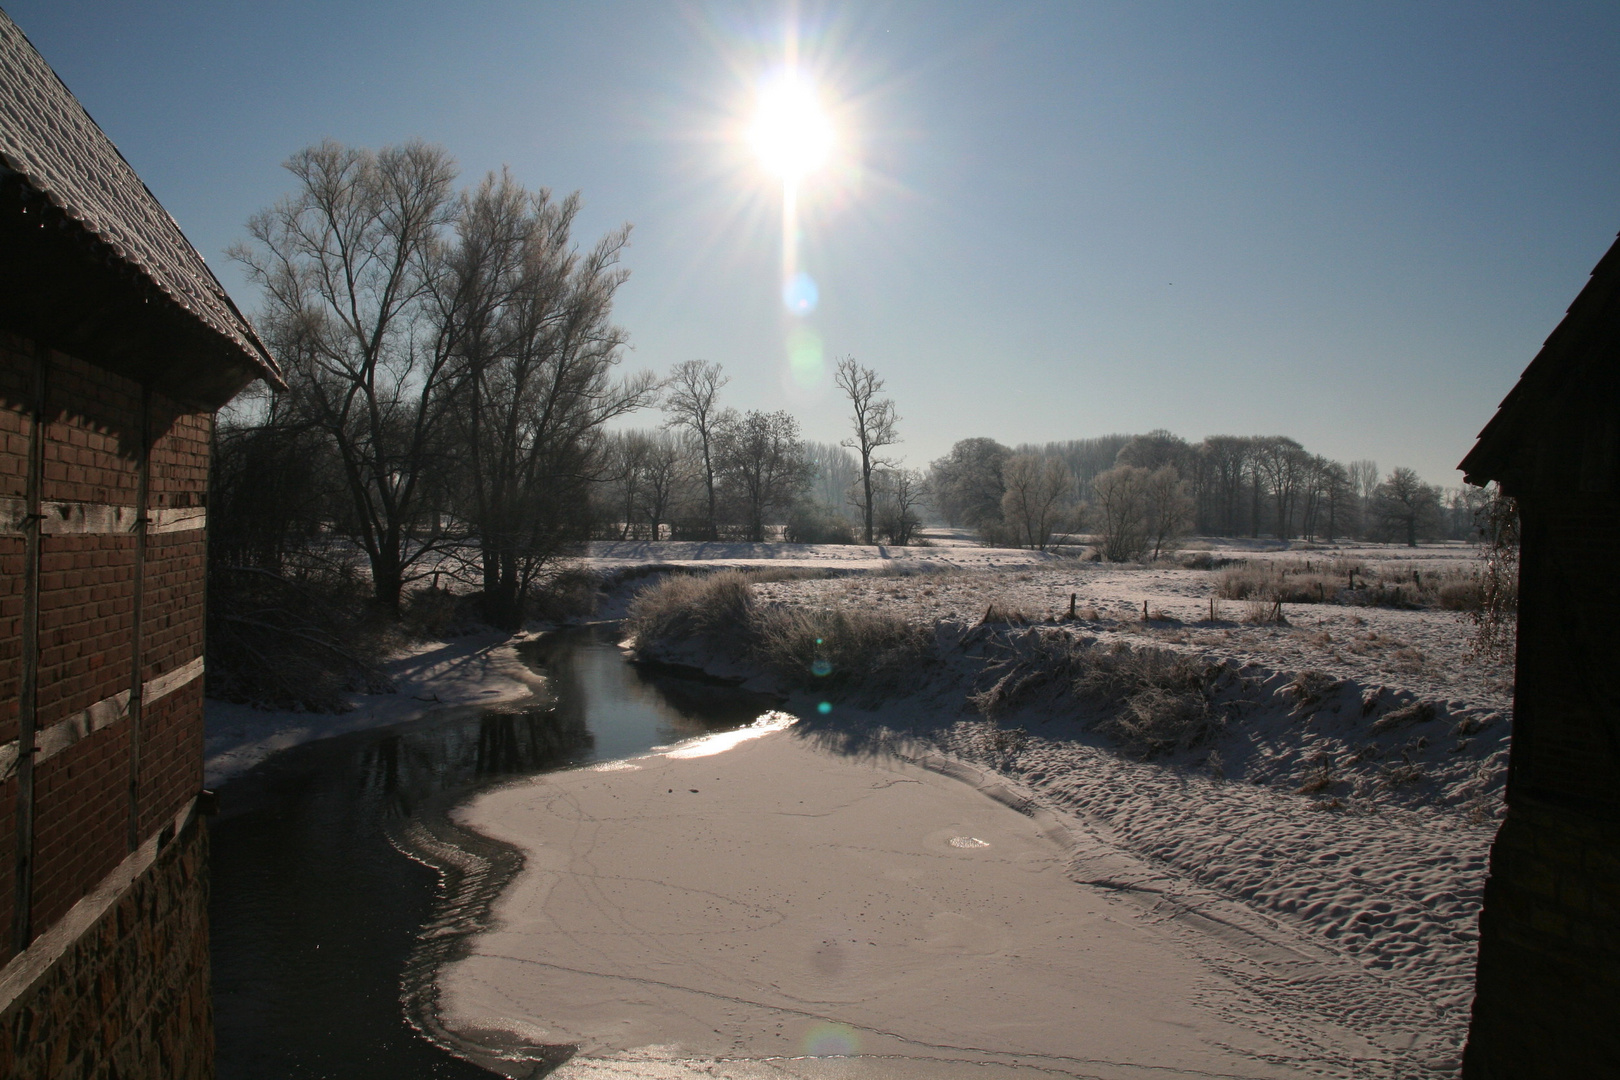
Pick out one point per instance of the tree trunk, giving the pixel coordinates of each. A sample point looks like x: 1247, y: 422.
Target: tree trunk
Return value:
x: 387, y: 581
x: 503, y: 603
x: 866, y: 487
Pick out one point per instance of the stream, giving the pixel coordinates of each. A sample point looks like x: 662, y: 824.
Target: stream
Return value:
x: 316, y: 914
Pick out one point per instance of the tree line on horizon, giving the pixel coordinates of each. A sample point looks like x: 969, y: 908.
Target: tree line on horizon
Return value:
x: 1138, y: 493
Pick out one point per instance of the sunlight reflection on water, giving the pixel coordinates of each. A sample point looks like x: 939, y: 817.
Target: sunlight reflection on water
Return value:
x: 720, y: 742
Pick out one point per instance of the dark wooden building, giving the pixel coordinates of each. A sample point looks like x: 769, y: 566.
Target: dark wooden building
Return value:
x: 1547, y: 1000
x: 116, y: 346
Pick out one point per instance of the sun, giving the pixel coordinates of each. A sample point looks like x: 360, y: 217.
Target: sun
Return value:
x: 791, y: 132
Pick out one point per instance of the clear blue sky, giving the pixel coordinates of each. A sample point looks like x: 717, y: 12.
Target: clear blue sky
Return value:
x: 1354, y: 224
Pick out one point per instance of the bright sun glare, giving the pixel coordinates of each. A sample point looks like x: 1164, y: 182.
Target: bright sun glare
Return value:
x: 791, y: 133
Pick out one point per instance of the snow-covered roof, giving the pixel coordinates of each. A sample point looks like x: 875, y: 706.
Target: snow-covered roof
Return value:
x: 48, y: 139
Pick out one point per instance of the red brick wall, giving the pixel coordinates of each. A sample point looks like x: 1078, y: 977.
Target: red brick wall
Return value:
x: 171, y: 755
x: 172, y: 613
x: 81, y: 820
x: 92, y: 450
x: 86, y: 588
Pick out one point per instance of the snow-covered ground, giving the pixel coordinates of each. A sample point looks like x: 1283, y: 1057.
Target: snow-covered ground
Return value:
x: 1341, y: 812
x: 1348, y: 796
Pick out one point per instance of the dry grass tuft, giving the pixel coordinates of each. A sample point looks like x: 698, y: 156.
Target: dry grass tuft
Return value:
x: 1264, y: 613
x: 1309, y: 581
x: 1318, y: 779
x: 836, y: 646
x: 1155, y: 720
x: 1152, y: 700
x: 1410, y: 660
x: 814, y: 646
x: 1160, y: 698
x: 998, y: 612
x: 1417, y: 712
x: 691, y: 607
x: 1313, y: 687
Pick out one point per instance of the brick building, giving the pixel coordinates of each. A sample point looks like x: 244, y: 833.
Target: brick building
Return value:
x: 1547, y: 998
x: 116, y: 346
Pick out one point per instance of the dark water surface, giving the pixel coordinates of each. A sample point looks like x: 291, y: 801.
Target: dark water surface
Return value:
x: 315, y: 912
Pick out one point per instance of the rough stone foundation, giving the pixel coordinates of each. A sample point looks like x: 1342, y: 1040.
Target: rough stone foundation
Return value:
x: 1547, y: 998
x: 129, y: 999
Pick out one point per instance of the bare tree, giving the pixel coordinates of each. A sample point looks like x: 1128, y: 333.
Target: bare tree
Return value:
x: 664, y: 475
x: 1084, y: 457
x: 534, y: 393
x: 1039, y: 490
x: 1155, y: 450
x: 269, y: 481
x: 1282, y: 463
x: 1120, y: 510
x: 1228, y: 458
x: 1406, y: 507
x: 691, y: 401
x: 625, y: 460
x: 834, y: 473
x: 1338, y: 498
x: 874, y: 419
x: 345, y: 263
x: 899, y: 492
x: 1363, y: 482
x: 762, y: 466
x: 1169, y: 507
x: 967, y: 483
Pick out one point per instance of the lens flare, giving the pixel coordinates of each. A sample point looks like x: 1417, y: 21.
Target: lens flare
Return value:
x: 831, y: 1040
x: 805, y: 358
x: 824, y: 708
x: 800, y: 295
x: 821, y: 667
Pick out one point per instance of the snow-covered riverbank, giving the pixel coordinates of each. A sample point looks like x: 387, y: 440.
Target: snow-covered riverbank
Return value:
x: 1350, y: 787
x: 481, y: 669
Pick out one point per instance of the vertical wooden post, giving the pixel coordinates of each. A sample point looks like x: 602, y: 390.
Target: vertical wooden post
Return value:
x: 22, y: 924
